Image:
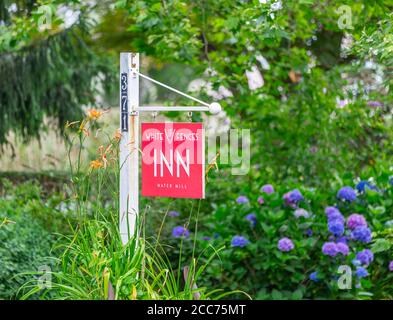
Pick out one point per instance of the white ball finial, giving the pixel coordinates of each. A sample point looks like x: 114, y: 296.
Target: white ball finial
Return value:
x: 215, y: 108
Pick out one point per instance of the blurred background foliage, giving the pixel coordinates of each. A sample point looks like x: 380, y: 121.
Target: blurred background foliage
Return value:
x: 315, y: 96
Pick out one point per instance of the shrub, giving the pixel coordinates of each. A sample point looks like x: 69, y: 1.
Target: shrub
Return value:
x: 25, y: 244
x: 28, y: 226
x: 291, y: 248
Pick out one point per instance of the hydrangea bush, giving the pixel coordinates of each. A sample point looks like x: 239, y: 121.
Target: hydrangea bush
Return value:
x: 293, y: 243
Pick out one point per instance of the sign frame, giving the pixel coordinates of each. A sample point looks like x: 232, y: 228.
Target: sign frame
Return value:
x: 173, y: 159
x: 129, y: 141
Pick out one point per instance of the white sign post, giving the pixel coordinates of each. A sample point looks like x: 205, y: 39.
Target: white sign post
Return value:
x: 129, y: 142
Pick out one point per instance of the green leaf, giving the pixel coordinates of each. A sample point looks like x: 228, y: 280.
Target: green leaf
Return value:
x: 277, y: 295
x: 380, y: 245
x: 377, y: 210
x: 308, y: 2
x: 232, y: 23
x: 297, y: 295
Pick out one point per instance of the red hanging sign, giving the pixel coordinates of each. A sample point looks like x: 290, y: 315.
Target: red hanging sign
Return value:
x: 173, y: 160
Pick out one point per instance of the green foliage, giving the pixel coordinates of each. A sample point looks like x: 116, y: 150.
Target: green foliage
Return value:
x: 46, y: 74
x: 25, y: 246
x: 376, y: 43
x: 298, y: 130
x: 25, y: 237
x: 321, y: 117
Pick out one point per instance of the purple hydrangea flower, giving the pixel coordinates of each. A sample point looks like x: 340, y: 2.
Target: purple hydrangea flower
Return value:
x: 346, y: 194
x: 343, y: 239
x: 239, y: 241
x: 342, y: 248
x: 336, y: 227
x: 267, y: 188
x: 342, y: 103
x: 356, y: 220
x: 292, y: 198
x: 285, y: 245
x: 391, y: 266
x: 301, y: 213
x: 252, y: 218
x: 314, y: 276
x: 329, y: 211
x: 365, y: 257
x: 295, y: 196
x: 362, y: 234
x: 180, y: 231
x: 261, y: 200
x: 361, y: 272
x: 333, y: 213
x: 313, y: 149
x: 374, y: 104
x: 362, y: 186
x: 242, y: 200
x: 173, y: 213
x: 309, y: 232
x: 329, y: 249
x: 286, y: 198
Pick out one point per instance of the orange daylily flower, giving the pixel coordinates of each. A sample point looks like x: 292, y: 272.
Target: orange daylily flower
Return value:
x: 96, y: 164
x: 94, y: 114
x: 117, y: 135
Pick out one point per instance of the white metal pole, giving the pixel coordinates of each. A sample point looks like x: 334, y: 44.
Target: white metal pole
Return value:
x: 129, y: 145
x: 133, y: 207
